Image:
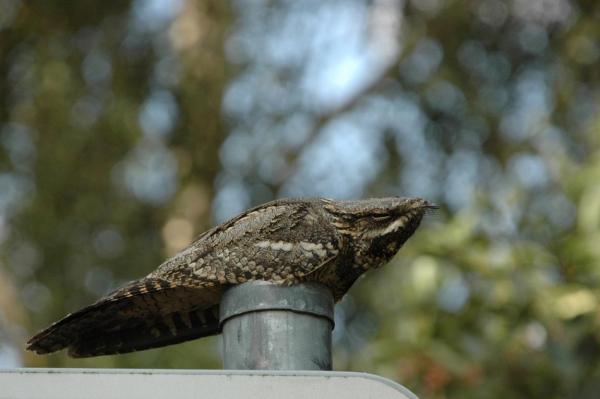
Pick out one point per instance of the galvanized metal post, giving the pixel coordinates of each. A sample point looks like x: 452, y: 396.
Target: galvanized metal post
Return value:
x: 270, y: 327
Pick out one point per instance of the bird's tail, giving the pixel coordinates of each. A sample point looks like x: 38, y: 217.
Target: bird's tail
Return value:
x: 145, y: 314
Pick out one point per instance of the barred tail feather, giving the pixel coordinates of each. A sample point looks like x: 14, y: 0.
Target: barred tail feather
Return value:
x: 146, y: 314
x: 171, y: 329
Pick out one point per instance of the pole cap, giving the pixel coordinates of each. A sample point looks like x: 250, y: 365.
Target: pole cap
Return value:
x: 255, y: 296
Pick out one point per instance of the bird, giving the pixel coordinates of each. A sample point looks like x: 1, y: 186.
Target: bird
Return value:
x: 285, y: 242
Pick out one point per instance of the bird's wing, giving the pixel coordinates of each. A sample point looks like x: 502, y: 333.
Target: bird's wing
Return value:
x: 279, y: 241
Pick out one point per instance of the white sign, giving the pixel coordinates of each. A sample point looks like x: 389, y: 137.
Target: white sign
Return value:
x: 41, y: 383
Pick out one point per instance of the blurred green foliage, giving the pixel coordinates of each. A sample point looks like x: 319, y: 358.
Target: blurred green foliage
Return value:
x: 128, y: 127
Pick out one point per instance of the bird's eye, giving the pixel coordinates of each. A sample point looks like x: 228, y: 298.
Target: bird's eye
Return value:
x: 381, y: 218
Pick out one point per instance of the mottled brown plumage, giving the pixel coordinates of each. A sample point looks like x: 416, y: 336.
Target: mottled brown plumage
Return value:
x: 285, y: 241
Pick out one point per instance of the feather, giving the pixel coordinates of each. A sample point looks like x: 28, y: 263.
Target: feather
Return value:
x: 145, y: 314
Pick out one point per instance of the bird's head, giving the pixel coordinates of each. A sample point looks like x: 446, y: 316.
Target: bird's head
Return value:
x: 380, y: 226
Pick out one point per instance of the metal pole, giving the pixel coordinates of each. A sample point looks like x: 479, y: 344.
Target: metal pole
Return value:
x: 272, y: 327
